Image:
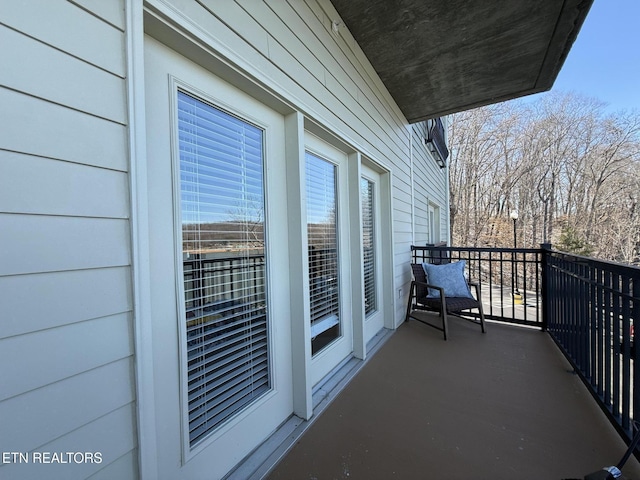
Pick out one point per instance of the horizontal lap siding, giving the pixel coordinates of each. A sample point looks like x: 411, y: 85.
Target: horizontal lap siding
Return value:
x: 66, y: 337
x: 291, y: 47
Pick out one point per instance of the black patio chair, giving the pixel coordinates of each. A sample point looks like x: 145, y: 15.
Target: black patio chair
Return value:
x: 419, y: 299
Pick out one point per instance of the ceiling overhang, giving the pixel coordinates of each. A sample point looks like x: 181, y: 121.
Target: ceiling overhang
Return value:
x: 438, y: 57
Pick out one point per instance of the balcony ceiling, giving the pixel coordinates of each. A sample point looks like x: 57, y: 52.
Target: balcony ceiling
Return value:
x: 439, y: 57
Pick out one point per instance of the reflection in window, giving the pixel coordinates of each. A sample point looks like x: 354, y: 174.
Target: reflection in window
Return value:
x: 323, y: 251
x: 368, y: 246
x: 222, y: 214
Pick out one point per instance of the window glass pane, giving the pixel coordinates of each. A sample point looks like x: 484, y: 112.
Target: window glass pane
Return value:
x: 322, y: 233
x: 222, y: 214
x: 433, y: 228
x: 368, y: 246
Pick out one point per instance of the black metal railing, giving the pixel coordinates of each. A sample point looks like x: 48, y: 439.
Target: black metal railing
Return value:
x: 510, y: 279
x: 216, y: 278
x: 589, y: 307
x: 592, y: 307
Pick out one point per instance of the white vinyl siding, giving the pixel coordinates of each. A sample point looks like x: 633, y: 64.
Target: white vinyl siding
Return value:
x: 35, y: 58
x: 74, y: 293
x: 102, y: 43
x: 65, y: 287
x: 103, y: 142
x: 82, y: 190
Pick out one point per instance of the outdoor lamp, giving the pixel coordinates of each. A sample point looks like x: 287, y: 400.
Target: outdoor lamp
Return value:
x: 514, y: 217
x: 517, y: 298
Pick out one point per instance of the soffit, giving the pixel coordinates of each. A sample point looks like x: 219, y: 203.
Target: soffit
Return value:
x: 438, y: 57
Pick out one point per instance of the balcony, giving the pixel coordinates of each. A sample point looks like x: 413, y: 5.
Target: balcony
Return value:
x: 519, y: 402
x: 548, y: 392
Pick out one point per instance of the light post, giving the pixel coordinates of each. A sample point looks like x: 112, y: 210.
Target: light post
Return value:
x: 517, y: 298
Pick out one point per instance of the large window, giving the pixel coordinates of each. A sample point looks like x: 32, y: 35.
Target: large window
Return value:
x: 322, y: 230
x: 223, y: 248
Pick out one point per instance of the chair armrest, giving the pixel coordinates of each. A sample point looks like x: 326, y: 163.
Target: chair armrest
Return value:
x: 476, y: 286
x: 439, y: 289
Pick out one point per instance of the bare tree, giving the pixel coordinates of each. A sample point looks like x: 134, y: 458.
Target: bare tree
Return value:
x: 560, y: 161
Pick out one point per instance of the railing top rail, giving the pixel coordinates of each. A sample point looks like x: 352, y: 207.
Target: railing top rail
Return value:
x: 614, y: 267
x: 607, y: 265
x: 251, y: 256
x: 475, y: 249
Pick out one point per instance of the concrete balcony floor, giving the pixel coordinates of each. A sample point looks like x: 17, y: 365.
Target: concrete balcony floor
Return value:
x: 503, y: 405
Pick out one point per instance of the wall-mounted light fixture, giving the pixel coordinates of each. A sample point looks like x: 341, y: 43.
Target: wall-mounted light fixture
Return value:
x: 436, y: 142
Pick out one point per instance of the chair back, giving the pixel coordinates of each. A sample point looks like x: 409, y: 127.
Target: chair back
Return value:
x: 421, y: 277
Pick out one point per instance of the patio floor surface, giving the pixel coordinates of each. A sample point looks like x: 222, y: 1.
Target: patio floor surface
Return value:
x: 503, y: 405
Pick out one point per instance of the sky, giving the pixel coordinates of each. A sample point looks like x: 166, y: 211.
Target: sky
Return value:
x: 604, y: 61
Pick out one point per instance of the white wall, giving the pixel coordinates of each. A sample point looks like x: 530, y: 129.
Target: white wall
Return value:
x: 66, y: 346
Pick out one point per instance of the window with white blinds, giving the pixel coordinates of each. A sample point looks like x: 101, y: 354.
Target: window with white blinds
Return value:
x: 223, y: 247
x: 368, y: 245
x: 322, y: 231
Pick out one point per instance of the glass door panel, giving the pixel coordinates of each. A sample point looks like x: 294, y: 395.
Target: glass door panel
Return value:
x: 322, y: 231
x: 223, y: 250
x: 369, y: 246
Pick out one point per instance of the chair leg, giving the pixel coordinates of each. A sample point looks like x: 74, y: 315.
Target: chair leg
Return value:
x: 445, y: 323
x: 443, y: 314
x: 410, y: 302
x: 479, y: 299
x: 481, y: 319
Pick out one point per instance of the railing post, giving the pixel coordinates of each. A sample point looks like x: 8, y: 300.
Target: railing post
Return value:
x: 545, y: 251
x: 635, y: 354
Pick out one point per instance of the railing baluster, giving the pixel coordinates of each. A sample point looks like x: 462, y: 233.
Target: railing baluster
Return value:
x: 526, y: 283
x: 617, y: 350
x: 592, y: 310
x: 635, y: 319
x: 607, y: 351
x: 490, y: 282
x: 603, y: 311
x: 626, y: 356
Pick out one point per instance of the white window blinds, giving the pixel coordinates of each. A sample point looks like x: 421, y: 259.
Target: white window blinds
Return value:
x: 368, y: 245
x: 322, y: 234
x: 223, y: 245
